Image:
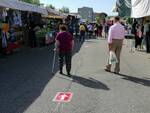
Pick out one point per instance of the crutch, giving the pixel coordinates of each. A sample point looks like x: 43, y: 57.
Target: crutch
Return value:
x: 54, y: 58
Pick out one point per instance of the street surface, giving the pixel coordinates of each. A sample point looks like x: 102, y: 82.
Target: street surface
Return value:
x: 27, y: 85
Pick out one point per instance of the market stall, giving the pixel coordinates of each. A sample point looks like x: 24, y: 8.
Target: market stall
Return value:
x: 11, y: 33
x: 141, y: 12
x: 140, y: 8
x: 23, y: 6
x: 18, y: 22
x: 53, y: 20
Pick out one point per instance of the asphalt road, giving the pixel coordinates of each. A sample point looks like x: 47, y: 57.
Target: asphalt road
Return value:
x: 27, y: 85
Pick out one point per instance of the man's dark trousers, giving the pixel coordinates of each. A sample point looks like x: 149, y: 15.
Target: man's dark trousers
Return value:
x: 67, y: 56
x: 82, y: 36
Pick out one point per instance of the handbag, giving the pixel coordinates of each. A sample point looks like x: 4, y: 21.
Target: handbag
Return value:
x: 112, y: 58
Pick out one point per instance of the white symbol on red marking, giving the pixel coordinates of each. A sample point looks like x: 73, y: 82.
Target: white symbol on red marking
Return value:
x: 63, y: 97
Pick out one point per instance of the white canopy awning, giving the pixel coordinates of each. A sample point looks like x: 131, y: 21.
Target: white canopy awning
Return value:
x: 140, y: 8
x: 22, y: 6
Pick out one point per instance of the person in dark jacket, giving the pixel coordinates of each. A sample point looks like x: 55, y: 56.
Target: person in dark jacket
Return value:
x: 147, y: 35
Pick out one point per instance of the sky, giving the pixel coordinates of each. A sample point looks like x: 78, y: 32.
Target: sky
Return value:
x: 98, y: 5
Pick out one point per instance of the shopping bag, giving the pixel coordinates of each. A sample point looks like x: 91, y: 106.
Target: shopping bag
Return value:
x: 112, y: 58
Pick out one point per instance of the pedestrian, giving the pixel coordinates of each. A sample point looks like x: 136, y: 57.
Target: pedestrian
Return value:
x: 100, y: 30
x: 138, y: 37
x: 64, y: 46
x: 71, y: 28
x: 115, y: 41
x: 147, y: 35
x: 32, y: 36
x: 96, y: 30
x: 76, y: 29
x: 90, y: 30
x: 82, y: 32
x: 106, y: 30
x: 133, y: 30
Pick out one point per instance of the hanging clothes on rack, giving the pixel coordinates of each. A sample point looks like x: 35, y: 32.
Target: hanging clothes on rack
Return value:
x: 17, y: 18
x: 4, y: 40
x: 5, y: 28
x: 4, y: 15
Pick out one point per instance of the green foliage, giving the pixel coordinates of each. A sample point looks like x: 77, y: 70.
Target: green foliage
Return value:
x: 129, y: 20
x: 36, y: 2
x: 28, y: 1
x: 98, y: 18
x: 108, y: 17
x: 51, y: 6
x: 103, y: 15
x: 42, y: 32
x: 64, y: 10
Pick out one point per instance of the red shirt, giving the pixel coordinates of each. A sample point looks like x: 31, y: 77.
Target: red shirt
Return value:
x: 65, y: 41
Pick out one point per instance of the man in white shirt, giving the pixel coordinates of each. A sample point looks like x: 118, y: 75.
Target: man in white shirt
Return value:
x: 115, y: 41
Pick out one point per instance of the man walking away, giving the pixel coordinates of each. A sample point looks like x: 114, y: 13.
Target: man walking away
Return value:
x: 115, y: 41
x: 64, y: 45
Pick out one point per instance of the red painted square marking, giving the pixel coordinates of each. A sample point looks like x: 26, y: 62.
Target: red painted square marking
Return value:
x: 63, y: 97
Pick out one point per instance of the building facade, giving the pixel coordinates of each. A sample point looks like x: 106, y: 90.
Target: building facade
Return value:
x: 86, y: 13
x: 123, y: 7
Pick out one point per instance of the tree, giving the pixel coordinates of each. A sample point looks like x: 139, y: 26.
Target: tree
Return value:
x: 36, y: 2
x: 129, y: 20
x: 28, y: 1
x: 97, y: 18
x: 103, y: 15
x: 64, y: 10
x: 51, y: 6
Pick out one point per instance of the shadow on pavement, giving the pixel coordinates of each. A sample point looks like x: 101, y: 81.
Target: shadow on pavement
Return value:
x: 89, y: 82
x: 135, y: 80
x: 23, y: 77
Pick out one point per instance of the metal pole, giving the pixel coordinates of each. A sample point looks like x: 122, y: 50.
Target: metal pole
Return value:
x: 53, y: 65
